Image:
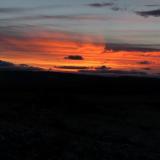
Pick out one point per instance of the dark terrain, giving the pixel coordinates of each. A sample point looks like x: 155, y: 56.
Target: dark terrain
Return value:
x: 55, y: 116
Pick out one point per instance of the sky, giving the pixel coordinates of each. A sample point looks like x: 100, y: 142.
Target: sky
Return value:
x: 108, y: 36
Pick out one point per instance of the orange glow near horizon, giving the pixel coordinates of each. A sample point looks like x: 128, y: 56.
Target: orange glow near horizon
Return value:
x: 48, y: 50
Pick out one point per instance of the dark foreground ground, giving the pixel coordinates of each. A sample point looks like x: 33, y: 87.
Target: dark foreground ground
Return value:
x: 56, y: 116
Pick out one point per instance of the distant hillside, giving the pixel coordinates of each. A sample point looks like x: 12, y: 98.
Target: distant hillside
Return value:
x: 68, y: 82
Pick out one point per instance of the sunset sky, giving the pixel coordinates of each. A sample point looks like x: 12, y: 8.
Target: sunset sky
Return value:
x: 108, y: 36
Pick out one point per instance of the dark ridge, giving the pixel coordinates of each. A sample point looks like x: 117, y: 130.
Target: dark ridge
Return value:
x: 64, y: 82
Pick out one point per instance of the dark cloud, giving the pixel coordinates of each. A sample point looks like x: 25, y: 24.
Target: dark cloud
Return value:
x: 146, y: 68
x: 144, y: 62
x: 85, y: 68
x: 5, y: 66
x: 152, y: 5
x: 115, y: 72
x: 103, y: 70
x: 72, y: 67
x: 154, y: 13
x: 24, y: 9
x: 11, y: 10
x: 116, y: 8
x: 100, y: 4
x: 74, y: 57
x: 132, y: 47
x: 131, y: 72
x: 111, y: 5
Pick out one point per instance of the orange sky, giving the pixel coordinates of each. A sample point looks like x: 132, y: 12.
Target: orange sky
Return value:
x: 48, y: 50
